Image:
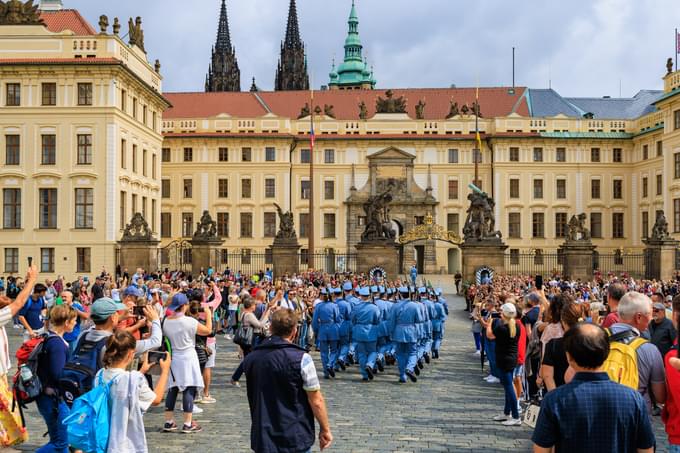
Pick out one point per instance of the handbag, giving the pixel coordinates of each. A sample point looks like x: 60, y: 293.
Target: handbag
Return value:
x: 244, y: 336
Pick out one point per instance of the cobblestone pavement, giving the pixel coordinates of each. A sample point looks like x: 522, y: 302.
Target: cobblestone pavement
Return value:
x: 448, y: 410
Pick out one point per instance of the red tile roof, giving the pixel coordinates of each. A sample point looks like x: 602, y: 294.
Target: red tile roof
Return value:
x: 67, y: 19
x: 494, y: 102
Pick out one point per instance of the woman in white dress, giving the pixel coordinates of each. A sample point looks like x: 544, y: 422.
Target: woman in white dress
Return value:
x: 185, y: 371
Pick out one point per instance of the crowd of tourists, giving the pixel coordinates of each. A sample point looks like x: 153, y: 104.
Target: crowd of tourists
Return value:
x: 603, y: 352
x: 153, y: 336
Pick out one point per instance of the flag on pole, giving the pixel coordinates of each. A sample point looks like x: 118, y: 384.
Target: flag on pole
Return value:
x: 677, y: 42
x: 477, y: 137
x: 311, y: 120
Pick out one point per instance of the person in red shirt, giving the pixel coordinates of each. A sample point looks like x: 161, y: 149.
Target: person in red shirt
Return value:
x: 671, y: 410
x: 615, y: 291
x: 518, y: 374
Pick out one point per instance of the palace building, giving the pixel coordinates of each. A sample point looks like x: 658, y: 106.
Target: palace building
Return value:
x: 237, y: 155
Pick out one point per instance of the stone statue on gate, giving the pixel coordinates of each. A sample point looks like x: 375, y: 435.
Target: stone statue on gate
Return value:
x: 13, y: 12
x: 378, y: 222
x: 137, y: 229
x: 286, y: 225
x: 206, y: 228
x: 576, y: 228
x: 390, y: 104
x: 480, y: 223
x: 660, y: 228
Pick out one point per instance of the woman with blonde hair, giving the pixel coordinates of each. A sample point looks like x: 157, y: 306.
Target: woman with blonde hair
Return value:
x: 506, y: 334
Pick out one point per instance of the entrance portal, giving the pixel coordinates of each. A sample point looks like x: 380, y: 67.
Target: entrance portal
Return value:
x: 419, y: 251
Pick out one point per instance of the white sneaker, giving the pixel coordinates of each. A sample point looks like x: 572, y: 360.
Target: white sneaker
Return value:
x: 512, y: 422
x: 199, y: 399
x: 197, y: 410
x: 478, y: 353
x: 487, y: 378
x: 229, y: 336
x: 494, y: 380
x: 501, y: 418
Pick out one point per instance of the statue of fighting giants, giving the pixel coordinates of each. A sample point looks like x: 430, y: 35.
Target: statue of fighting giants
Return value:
x: 378, y: 222
x: 286, y: 225
x: 480, y: 223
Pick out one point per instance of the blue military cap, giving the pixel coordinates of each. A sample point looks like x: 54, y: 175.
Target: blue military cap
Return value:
x: 403, y: 289
x: 347, y: 286
x: 374, y: 289
x: 337, y: 291
x: 389, y: 291
x: 422, y: 290
x: 364, y: 291
x: 323, y: 291
x: 381, y: 289
x: 412, y: 289
x: 438, y: 291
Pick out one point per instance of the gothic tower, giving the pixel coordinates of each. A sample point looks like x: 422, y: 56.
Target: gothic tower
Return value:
x: 223, y: 72
x: 291, y: 73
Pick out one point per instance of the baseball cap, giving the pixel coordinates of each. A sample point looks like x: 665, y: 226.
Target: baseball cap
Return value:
x: 178, y: 300
x: 104, y: 307
x: 509, y: 310
x: 659, y: 306
x: 133, y: 291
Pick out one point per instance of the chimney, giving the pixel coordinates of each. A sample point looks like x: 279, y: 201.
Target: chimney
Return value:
x: 51, y: 5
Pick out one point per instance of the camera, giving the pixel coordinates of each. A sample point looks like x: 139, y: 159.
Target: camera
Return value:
x: 495, y: 315
x: 138, y: 309
x: 603, y: 312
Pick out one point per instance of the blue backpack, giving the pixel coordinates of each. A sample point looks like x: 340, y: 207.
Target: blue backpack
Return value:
x: 77, y: 377
x: 87, y: 426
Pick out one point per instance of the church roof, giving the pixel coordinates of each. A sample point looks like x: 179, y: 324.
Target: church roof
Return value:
x: 67, y: 19
x: 494, y: 102
x: 548, y: 103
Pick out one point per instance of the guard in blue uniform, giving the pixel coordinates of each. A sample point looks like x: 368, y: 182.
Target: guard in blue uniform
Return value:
x: 345, y: 325
x: 429, y: 305
x: 405, y: 317
x: 354, y: 301
x: 438, y: 320
x: 365, y: 322
x: 325, y: 324
x: 383, y: 330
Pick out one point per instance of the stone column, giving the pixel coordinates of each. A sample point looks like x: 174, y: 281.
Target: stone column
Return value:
x: 480, y: 253
x: 578, y: 259
x: 660, y: 259
x: 203, y: 253
x: 139, y: 253
x: 285, y: 256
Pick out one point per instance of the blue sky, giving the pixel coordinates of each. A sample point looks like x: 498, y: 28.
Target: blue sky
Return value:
x: 583, y: 47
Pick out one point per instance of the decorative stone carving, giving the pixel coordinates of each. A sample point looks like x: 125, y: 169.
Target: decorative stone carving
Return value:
x: 391, y: 104
x: 480, y: 223
x: 286, y: 225
x: 660, y: 228
x: 328, y: 110
x: 464, y: 109
x: 103, y: 24
x: 13, y: 12
x: 116, y: 26
x: 476, y: 110
x: 453, y: 110
x: 378, y: 222
x: 429, y: 231
x: 363, y: 110
x: 576, y: 228
x: 317, y: 110
x: 157, y: 66
x: 206, y: 228
x: 136, y: 34
x: 669, y: 66
x: 304, y: 111
x: 420, y: 110
x: 137, y: 229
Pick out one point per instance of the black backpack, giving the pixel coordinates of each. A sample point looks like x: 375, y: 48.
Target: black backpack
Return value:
x: 77, y: 378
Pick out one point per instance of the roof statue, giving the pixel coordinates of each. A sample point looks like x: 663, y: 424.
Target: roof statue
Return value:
x: 476, y: 110
x: 291, y: 73
x: 136, y: 34
x: 390, y: 104
x: 13, y: 12
x: 669, y: 66
x: 223, y: 72
x: 116, y: 26
x: 304, y: 111
x: 453, y: 110
x: 328, y: 110
x: 420, y: 110
x: 137, y: 229
x: 363, y: 110
x: 103, y: 24
x: 464, y: 109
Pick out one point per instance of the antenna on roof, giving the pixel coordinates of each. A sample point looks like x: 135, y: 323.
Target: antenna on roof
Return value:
x: 513, y: 67
x: 620, y: 87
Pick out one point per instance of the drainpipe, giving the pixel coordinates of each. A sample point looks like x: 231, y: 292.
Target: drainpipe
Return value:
x: 292, y: 147
x: 490, y: 146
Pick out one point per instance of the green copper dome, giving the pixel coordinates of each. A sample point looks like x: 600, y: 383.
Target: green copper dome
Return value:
x: 353, y: 72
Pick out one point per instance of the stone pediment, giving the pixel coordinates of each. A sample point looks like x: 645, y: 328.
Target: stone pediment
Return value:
x: 391, y: 153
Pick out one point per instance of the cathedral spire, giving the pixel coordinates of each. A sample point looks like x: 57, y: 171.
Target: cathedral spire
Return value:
x: 223, y: 72
x: 354, y: 72
x: 291, y: 73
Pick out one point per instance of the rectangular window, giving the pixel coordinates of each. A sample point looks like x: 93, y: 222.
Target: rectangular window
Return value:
x: 123, y: 100
x: 144, y: 164
x: 187, y: 224
x: 13, y: 95
x: 270, y: 188
x: 560, y: 155
x: 561, y: 189
x: 123, y: 209
x: 476, y: 156
x: 165, y: 155
x: 329, y: 226
x: 305, y: 156
x: 329, y: 190
x: 123, y: 153
x: 538, y: 188
x: 188, y: 188
x: 514, y: 225
x: 134, y: 108
x: 560, y: 224
x: 617, y: 189
x: 595, y: 189
x: 645, y: 152
x: 514, y: 188
x: 270, y: 154
x: 84, y: 94
x: 269, y: 224
x: 83, y: 262
x: 514, y: 257
x: 246, y: 155
x: 46, y: 260
x: 11, y: 209
x: 538, y: 225
x: 165, y: 188
x: 153, y: 215
x: 304, y: 225
x: 329, y: 156
x: 676, y: 215
x: 153, y: 120
x: 676, y: 119
x: 223, y: 188
x: 144, y: 199
x: 538, y: 154
x: 223, y: 224
x: 134, y: 204
x: 12, y: 149
x: 453, y: 222
x: 49, y: 149
x: 453, y: 189
x: 144, y: 111
x: 48, y: 208
x: 659, y: 148
x: 453, y: 156
x: 246, y: 187
x: 596, y: 224
x: 246, y: 225
x: 514, y: 154
x: 84, y: 208
x: 305, y: 189
x: 223, y: 154
x: 659, y: 184
x: 617, y: 225
x: 134, y: 158
x: 188, y: 154
x: 153, y: 166
x: 594, y: 154
x: 166, y: 225
x: 645, y: 224
x: 617, y: 155
x: 11, y: 260
x: 49, y: 94
x: 645, y: 187
x: 676, y: 165
x: 84, y: 149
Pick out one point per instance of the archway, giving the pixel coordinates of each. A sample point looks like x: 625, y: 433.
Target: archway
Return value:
x: 453, y: 260
x: 426, y: 234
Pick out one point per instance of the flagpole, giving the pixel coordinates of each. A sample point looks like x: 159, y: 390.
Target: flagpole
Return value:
x: 676, y: 49
x: 478, y: 154
x: 310, y: 246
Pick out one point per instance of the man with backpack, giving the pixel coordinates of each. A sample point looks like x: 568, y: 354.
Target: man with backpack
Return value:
x: 634, y: 361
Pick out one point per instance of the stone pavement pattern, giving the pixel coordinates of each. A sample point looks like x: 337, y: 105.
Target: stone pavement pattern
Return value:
x: 448, y: 410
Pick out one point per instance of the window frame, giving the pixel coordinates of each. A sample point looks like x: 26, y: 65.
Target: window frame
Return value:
x: 84, y: 208
x: 48, y: 208
x: 85, y: 92
x: 85, y: 149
